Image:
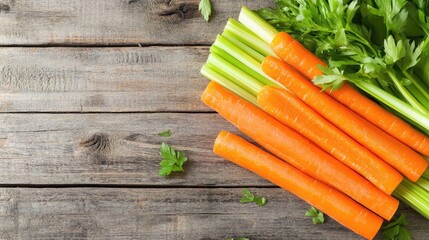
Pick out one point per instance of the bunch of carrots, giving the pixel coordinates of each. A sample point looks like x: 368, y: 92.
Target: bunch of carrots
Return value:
x: 339, y: 151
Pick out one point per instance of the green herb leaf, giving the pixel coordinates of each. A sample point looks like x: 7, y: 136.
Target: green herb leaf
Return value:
x: 166, y: 133
x: 249, y: 197
x: 205, y: 8
x: 317, y: 215
x: 394, y: 51
x: 172, y: 160
x: 396, y: 229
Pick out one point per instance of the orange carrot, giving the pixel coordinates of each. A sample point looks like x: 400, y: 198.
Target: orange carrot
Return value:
x: 397, y: 154
x: 296, y: 55
x: 297, y: 150
x: 330, y: 201
x: 294, y: 113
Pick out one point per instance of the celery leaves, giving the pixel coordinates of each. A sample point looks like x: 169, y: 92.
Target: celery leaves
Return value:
x: 396, y: 229
x: 317, y: 215
x: 172, y: 160
x: 205, y: 8
x: 249, y: 197
x: 166, y: 133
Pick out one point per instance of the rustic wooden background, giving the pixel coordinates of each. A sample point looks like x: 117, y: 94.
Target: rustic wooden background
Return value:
x: 85, y: 86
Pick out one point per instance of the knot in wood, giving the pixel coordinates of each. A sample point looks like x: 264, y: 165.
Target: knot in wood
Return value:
x: 4, y: 8
x: 179, y: 10
x: 97, y: 143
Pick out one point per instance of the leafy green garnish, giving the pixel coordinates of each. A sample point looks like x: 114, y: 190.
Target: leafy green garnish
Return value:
x: 205, y: 8
x: 396, y: 229
x: 172, y: 160
x: 166, y: 133
x: 317, y: 215
x: 249, y: 197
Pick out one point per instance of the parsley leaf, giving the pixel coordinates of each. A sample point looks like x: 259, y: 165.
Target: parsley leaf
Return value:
x: 396, y: 229
x: 172, y: 160
x: 166, y: 133
x: 394, y: 51
x: 394, y: 14
x: 249, y: 197
x: 317, y: 215
x: 205, y: 8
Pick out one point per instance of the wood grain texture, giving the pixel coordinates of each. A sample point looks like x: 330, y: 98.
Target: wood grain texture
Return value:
x: 107, y: 22
x: 137, y: 79
x: 113, y: 149
x: 185, y: 213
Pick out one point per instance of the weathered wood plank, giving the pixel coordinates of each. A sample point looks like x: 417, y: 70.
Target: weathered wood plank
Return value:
x: 102, y: 79
x: 85, y: 213
x: 104, y: 22
x: 113, y: 149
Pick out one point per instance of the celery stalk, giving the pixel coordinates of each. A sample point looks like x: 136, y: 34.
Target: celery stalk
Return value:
x: 407, y: 95
x: 230, y: 36
x: 244, y: 35
x: 258, y: 25
x: 235, y: 74
x: 424, y: 183
x: 230, y: 50
x: 212, y: 75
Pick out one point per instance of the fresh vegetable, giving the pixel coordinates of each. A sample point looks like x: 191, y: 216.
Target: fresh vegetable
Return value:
x: 401, y: 157
x: 294, y: 113
x: 172, y: 160
x: 295, y: 54
x: 396, y: 229
x: 380, y: 46
x: 250, y: 197
x: 297, y: 150
x: 335, y: 204
x: 166, y: 133
x: 205, y: 8
x: 316, y: 215
x: 408, y: 192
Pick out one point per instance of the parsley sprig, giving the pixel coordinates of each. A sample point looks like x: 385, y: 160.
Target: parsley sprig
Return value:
x: 396, y: 229
x: 166, y: 133
x: 172, y: 160
x: 316, y: 215
x: 205, y: 7
x: 250, y: 197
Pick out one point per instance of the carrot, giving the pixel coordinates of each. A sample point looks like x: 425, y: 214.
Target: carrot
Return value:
x: 325, y: 198
x: 297, y: 150
x: 296, y: 55
x: 294, y: 113
x: 391, y: 150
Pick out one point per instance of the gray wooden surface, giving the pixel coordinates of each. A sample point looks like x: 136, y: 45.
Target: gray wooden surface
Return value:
x: 81, y: 104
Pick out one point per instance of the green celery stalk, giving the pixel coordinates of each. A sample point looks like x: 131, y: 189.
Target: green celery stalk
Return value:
x: 233, y: 38
x: 419, y: 95
x: 208, y: 72
x: 234, y: 54
x: 245, y: 35
x: 424, y: 183
x: 407, y: 95
x: 235, y: 74
x: 258, y: 25
x: 414, y: 196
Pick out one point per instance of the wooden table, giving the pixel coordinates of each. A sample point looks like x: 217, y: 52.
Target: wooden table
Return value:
x: 85, y: 86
